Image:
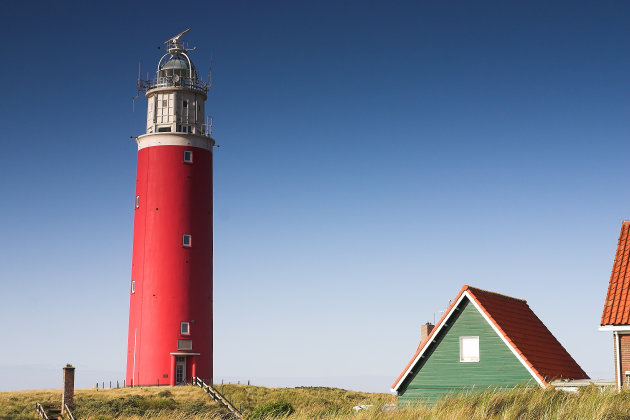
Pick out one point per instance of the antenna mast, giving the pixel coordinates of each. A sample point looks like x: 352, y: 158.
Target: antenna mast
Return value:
x: 133, y: 100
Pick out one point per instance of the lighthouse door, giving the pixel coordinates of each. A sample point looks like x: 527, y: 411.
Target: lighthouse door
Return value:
x: 180, y: 370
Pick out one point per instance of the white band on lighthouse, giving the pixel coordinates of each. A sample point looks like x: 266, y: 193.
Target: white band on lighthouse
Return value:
x: 174, y: 139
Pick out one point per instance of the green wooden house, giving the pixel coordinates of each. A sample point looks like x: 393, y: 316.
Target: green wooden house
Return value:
x: 484, y: 340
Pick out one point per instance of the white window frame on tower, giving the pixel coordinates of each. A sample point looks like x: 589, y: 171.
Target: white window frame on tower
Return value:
x: 187, y: 240
x: 188, y: 156
x: 133, y: 286
x: 137, y: 201
x: 184, y: 328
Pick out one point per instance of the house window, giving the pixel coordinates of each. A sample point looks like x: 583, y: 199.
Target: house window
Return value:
x: 137, y: 201
x: 185, y: 328
x: 187, y: 240
x: 133, y: 286
x: 469, y: 349
x: 188, y: 156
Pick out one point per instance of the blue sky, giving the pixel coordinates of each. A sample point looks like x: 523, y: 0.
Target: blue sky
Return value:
x: 374, y: 157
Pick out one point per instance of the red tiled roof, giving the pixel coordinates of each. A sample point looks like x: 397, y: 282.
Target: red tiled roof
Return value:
x: 529, y: 336
x: 617, y: 304
x: 525, y: 332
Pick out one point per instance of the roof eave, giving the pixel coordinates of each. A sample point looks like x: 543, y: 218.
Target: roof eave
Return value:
x: 425, y: 344
x: 614, y: 328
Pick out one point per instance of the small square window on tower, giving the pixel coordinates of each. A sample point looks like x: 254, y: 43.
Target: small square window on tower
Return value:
x: 185, y: 328
x: 469, y: 349
x: 137, y: 201
x: 187, y: 240
x: 133, y: 286
x: 188, y: 156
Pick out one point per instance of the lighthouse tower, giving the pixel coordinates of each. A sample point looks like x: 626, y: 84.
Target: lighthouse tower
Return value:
x: 170, y: 316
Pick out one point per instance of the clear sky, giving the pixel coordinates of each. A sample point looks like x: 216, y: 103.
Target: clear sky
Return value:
x: 375, y: 157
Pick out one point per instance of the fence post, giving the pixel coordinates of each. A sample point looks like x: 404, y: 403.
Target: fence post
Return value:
x: 97, y: 386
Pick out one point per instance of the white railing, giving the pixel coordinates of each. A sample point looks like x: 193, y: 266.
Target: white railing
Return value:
x: 68, y: 412
x: 41, y: 411
x: 216, y: 395
x: 170, y: 81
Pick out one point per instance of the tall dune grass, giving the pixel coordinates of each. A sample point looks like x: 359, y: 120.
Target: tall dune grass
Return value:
x: 191, y: 403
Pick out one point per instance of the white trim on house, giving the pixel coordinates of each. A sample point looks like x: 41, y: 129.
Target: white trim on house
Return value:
x: 434, y: 333
x: 444, y: 322
x: 614, y: 328
x: 617, y: 363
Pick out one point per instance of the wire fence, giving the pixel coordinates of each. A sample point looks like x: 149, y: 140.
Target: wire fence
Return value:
x: 115, y: 384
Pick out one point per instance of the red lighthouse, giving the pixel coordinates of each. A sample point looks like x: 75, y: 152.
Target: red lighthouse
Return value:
x: 170, y: 316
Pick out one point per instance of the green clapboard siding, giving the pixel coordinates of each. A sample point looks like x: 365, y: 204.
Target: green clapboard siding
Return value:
x: 440, y: 372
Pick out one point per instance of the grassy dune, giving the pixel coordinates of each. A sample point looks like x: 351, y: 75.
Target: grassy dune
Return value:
x: 188, y: 403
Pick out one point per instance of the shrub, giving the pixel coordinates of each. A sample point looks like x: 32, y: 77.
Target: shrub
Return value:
x: 165, y: 394
x: 273, y: 410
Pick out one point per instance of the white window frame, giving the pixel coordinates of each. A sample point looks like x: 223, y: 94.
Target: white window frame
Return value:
x: 465, y: 358
x: 188, y: 153
x: 186, y: 243
x: 133, y: 286
x: 183, y: 325
x: 137, y: 201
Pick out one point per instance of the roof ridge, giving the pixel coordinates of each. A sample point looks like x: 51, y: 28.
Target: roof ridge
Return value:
x: 472, y: 288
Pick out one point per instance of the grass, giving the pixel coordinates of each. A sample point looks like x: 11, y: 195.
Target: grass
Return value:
x: 181, y: 403
x: 191, y: 403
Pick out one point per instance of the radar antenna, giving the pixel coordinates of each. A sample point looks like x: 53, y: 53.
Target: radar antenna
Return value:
x: 174, y: 45
x: 175, y: 39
